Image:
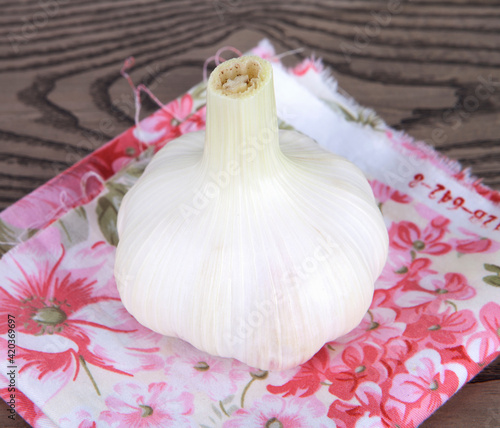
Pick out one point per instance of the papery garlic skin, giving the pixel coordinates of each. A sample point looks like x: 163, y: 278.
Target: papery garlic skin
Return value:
x: 246, y: 241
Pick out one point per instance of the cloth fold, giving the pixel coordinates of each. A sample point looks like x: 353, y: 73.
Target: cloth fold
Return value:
x: 79, y: 359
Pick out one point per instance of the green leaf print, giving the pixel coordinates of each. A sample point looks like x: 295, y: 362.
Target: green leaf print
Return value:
x: 107, y: 211
x: 135, y: 171
x: 492, y: 268
x: 7, y: 238
x: 493, y: 280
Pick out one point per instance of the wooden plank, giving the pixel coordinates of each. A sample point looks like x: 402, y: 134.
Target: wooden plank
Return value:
x: 475, y: 405
x: 6, y: 422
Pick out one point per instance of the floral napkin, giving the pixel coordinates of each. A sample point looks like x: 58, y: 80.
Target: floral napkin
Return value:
x: 73, y: 356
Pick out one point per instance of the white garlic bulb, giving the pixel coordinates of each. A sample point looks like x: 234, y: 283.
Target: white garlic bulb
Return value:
x: 246, y: 241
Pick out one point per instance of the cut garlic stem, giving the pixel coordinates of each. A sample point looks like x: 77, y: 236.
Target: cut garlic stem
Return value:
x: 242, y: 124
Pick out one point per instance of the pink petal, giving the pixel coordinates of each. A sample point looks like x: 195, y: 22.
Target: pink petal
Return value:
x: 490, y: 317
x: 410, y: 299
x: 406, y: 388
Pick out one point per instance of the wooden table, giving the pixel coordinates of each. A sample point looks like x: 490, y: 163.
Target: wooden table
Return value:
x: 417, y: 63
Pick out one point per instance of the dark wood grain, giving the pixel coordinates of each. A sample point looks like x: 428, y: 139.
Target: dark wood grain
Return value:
x: 418, y: 65
x: 6, y: 422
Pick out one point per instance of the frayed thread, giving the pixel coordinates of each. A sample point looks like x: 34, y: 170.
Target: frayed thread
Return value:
x: 127, y: 65
x: 217, y: 58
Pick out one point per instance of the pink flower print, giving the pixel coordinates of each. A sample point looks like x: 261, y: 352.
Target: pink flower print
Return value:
x: 80, y: 418
x: 157, y: 405
x: 474, y: 244
x: 482, y: 347
x: 345, y: 414
x: 406, y: 235
x: 40, y: 207
x: 396, y: 351
x: 395, y: 269
x: 30, y: 412
x: 378, y: 326
x: 66, y: 320
x: 118, y: 153
x: 443, y: 330
x: 384, y: 193
x: 365, y: 414
x: 283, y: 412
x: 367, y: 421
x: 120, y: 163
x: 435, y: 291
x: 169, y: 122
x: 418, y: 269
x: 401, y: 269
x: 490, y: 318
x: 308, y: 379
x: 195, y: 122
x: 198, y: 371
x: 393, y: 414
x: 471, y: 246
x: 360, y: 364
x: 426, y: 385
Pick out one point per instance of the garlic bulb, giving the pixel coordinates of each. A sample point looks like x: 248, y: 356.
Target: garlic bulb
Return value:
x: 246, y: 241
